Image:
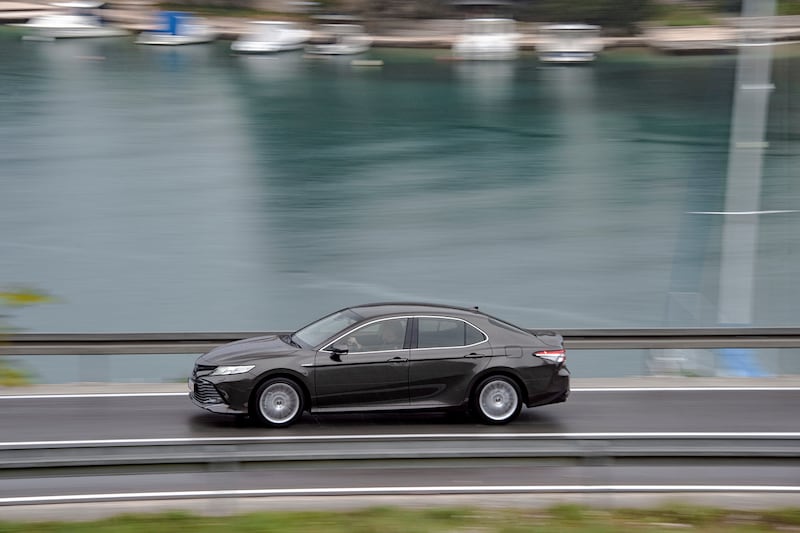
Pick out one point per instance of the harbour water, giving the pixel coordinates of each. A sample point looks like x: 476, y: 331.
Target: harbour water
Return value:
x: 191, y: 190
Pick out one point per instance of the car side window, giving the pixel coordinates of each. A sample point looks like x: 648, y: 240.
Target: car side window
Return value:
x: 446, y: 332
x: 383, y: 335
x: 473, y: 335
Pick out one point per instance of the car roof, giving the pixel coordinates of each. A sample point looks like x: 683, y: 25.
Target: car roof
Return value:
x: 394, y: 308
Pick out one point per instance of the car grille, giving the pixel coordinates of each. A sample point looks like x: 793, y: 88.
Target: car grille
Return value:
x: 205, y: 392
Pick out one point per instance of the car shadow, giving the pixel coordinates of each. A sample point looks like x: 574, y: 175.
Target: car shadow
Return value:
x: 529, y: 420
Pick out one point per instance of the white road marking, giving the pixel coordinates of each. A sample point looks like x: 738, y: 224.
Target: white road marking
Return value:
x: 578, y: 389
x: 339, y: 491
x: 690, y: 389
x: 771, y: 212
x: 404, y: 436
x: 91, y: 395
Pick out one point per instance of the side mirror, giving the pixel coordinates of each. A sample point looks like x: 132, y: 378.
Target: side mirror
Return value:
x: 338, y: 350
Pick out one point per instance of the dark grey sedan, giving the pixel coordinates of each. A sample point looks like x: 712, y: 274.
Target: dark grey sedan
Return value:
x: 386, y: 357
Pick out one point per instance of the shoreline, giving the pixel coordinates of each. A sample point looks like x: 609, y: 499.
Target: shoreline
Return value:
x: 441, y: 34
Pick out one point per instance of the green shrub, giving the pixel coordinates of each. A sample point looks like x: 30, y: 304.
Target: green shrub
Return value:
x: 12, y: 377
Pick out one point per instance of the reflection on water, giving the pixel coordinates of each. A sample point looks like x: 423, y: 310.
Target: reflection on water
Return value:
x: 272, y: 68
x: 486, y: 81
x: 189, y: 189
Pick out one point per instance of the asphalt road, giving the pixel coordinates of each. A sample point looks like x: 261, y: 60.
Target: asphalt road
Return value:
x: 635, y: 411
x: 79, y: 494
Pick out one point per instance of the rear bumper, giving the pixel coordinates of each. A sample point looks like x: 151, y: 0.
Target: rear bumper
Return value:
x: 556, y: 392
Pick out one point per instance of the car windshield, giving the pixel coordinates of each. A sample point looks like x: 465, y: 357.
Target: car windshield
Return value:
x: 324, y: 328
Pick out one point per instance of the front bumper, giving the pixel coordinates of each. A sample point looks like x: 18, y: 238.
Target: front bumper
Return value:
x: 204, y: 394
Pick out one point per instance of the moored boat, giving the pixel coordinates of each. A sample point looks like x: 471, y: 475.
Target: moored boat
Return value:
x: 487, y: 39
x: 71, y: 20
x: 340, y: 39
x: 569, y: 43
x: 270, y: 36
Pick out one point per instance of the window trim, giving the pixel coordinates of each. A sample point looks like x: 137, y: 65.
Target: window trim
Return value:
x: 415, y: 339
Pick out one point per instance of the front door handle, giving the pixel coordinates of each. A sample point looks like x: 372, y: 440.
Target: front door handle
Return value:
x: 398, y: 359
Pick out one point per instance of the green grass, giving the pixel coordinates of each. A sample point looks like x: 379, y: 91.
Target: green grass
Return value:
x: 683, y: 15
x: 566, y: 518
x: 789, y: 7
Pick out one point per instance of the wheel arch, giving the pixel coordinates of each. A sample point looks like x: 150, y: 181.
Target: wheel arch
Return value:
x: 280, y: 373
x: 496, y: 371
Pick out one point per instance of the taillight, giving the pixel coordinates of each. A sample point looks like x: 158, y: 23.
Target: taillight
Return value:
x: 556, y: 356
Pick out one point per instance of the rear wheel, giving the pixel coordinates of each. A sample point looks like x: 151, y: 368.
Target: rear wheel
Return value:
x: 496, y: 400
x: 278, y: 402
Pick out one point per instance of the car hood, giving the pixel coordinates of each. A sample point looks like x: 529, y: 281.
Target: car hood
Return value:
x: 246, y: 350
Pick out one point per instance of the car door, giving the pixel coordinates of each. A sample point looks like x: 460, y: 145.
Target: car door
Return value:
x: 446, y: 354
x: 372, y: 373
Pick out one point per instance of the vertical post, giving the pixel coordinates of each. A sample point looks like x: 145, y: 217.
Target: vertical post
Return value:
x: 743, y: 190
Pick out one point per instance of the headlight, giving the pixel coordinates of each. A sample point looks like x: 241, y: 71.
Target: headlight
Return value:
x: 230, y: 370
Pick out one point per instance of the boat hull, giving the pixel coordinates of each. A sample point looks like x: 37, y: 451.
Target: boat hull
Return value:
x: 158, y: 39
x: 68, y: 27
x: 255, y: 47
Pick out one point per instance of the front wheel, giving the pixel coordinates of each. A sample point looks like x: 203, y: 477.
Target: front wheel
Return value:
x: 497, y: 400
x: 278, y: 402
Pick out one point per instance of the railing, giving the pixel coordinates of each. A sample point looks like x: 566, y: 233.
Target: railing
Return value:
x: 584, y: 339
x: 644, y: 448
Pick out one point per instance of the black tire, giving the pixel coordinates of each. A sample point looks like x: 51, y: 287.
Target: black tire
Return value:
x: 496, y: 400
x: 277, y: 402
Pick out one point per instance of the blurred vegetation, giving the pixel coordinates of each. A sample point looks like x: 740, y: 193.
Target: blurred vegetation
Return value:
x: 229, y: 11
x: 22, y: 296
x: 683, y: 15
x: 15, y: 298
x: 620, y: 17
x: 789, y: 7
x: 13, y: 377
x: 784, y: 7
x: 562, y: 518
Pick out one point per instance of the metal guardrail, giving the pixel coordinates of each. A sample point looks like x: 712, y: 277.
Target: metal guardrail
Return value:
x: 680, y: 338
x: 597, y: 339
x: 210, y: 451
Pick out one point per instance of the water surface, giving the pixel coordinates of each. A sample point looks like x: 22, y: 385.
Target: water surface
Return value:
x: 186, y: 189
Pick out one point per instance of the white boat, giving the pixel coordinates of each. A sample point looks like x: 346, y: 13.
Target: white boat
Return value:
x: 269, y: 36
x: 569, y: 43
x: 72, y: 20
x: 487, y: 38
x: 341, y: 39
x: 178, y: 28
